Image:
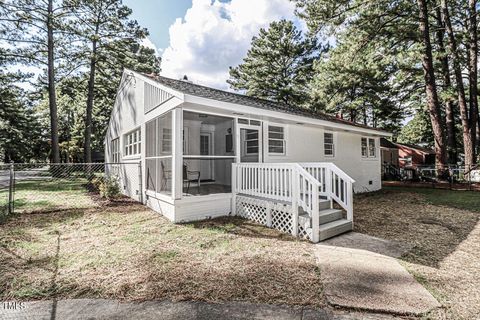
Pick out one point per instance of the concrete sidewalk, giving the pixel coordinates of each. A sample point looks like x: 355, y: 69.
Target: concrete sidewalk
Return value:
x: 364, y: 280
x: 111, y: 309
x: 82, y: 309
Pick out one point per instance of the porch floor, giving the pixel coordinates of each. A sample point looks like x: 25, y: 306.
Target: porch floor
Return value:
x: 206, y: 189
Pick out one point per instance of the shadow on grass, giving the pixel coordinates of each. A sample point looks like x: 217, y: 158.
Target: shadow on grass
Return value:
x: 433, y: 221
x: 51, y: 185
x: 241, y: 227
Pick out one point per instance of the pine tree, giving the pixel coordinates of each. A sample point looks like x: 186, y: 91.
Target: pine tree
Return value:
x: 32, y: 29
x: 278, y: 66
x: 100, y: 25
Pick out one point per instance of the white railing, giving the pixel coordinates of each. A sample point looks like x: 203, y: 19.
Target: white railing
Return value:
x: 335, y: 184
x: 286, y: 182
x: 299, y: 184
x: 272, y: 180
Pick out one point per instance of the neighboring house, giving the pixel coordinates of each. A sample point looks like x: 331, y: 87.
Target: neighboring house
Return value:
x: 205, y: 153
x: 389, y: 153
x: 390, y: 160
x: 413, y: 156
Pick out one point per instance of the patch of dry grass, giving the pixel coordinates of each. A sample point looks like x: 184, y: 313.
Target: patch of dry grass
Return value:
x: 446, y: 243
x: 124, y: 251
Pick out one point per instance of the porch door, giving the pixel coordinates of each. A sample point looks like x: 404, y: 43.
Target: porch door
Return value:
x: 250, y: 144
x: 206, y: 166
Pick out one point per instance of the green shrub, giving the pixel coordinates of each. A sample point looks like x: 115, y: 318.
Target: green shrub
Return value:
x: 108, y: 187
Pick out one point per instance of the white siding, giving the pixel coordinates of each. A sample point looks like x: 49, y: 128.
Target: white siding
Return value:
x: 305, y: 144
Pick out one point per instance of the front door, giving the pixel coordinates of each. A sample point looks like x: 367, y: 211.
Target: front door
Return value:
x: 206, y: 165
x: 250, y: 144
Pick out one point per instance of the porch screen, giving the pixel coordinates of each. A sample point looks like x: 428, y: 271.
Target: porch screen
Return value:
x: 158, y: 154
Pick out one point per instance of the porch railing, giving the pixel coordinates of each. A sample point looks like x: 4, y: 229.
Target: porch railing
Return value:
x: 300, y: 185
x: 335, y: 184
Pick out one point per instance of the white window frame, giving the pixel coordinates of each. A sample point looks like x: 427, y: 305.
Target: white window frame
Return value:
x: 283, y: 139
x: 332, y: 143
x: 132, y: 143
x: 250, y: 140
x: 115, y: 150
x: 371, y: 145
x: 170, y: 140
x: 362, y: 149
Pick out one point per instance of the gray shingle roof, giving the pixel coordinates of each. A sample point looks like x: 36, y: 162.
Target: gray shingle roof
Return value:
x: 225, y: 96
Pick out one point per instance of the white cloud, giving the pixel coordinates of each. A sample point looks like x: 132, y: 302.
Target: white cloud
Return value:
x: 214, y: 35
x: 146, y: 42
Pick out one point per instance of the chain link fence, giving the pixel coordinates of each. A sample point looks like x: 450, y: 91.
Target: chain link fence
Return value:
x: 45, y: 187
x: 452, y: 177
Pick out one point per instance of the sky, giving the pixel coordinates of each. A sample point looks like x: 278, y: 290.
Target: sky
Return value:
x: 203, y: 38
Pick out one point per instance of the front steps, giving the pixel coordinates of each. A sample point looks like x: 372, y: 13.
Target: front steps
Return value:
x: 334, y: 228
x: 332, y: 221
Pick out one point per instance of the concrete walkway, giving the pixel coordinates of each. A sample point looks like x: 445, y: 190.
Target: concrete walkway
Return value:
x: 83, y: 309
x: 365, y: 280
x: 110, y: 309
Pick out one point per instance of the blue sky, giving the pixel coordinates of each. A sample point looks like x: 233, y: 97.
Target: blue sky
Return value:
x: 203, y: 38
x: 157, y: 16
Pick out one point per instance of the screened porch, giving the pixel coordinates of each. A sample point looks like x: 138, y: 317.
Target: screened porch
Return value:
x: 189, y: 154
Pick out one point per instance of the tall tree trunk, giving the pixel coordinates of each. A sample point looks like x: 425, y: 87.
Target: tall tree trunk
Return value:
x: 88, y: 116
x: 52, y: 99
x: 468, y: 144
x: 449, y: 112
x: 431, y: 90
x: 473, y: 73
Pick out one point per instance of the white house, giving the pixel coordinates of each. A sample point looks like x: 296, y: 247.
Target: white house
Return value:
x: 205, y: 153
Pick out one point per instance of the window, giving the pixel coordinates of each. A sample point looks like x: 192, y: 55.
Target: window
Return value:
x: 276, y: 140
x: 167, y: 140
x: 115, y: 149
x: 364, y: 147
x: 328, y: 144
x: 369, y: 149
x: 251, y: 141
x: 132, y: 142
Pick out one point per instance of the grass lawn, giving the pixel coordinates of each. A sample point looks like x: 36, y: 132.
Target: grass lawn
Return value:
x: 51, y: 195
x: 444, y: 229
x: 123, y: 250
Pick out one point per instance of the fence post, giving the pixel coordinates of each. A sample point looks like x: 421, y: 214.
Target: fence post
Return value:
x: 140, y: 182
x: 10, y: 189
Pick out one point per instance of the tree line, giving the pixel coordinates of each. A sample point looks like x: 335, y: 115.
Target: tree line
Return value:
x: 369, y: 62
x: 81, y: 48
x: 377, y: 63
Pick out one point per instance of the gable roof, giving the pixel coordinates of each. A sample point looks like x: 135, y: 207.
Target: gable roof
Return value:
x: 416, y: 147
x: 385, y: 143
x: 190, y: 88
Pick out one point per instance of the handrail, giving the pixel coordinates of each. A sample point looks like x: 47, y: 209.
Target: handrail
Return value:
x: 336, y: 184
x: 300, y: 184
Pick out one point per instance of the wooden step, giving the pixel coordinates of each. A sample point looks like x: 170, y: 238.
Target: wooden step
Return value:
x: 324, y: 204
x: 334, y: 228
x: 330, y: 215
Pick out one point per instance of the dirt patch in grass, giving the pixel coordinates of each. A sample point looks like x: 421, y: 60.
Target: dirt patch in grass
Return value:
x: 129, y: 252
x: 446, y: 241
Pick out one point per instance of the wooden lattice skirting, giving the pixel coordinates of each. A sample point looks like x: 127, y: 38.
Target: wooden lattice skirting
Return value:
x: 271, y: 214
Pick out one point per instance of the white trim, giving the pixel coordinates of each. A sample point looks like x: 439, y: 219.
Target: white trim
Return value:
x: 137, y: 144
x: 252, y: 112
x: 152, y: 82
x: 190, y: 156
x: 368, y: 156
x: 285, y: 139
x: 177, y: 152
x: 213, y: 196
x: 334, y: 144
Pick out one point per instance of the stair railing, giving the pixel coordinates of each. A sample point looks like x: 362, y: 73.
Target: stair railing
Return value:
x: 287, y: 182
x: 335, y: 184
